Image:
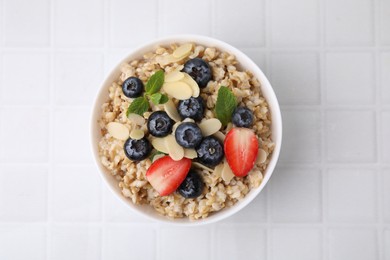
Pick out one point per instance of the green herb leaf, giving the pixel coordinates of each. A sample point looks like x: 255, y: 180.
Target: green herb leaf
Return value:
x: 155, y: 82
x: 156, y: 152
x: 155, y: 98
x: 225, y: 105
x: 164, y: 99
x: 139, y: 106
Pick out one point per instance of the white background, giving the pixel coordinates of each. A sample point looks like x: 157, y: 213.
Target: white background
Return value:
x: 329, y: 62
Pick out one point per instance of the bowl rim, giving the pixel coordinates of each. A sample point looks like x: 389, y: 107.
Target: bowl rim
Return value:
x: 267, y: 92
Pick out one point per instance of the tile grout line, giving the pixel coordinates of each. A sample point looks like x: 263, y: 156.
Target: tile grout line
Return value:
x: 324, y: 181
x: 51, y: 130
x: 377, y: 97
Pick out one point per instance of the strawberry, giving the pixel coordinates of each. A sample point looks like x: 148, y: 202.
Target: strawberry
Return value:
x: 166, y: 174
x: 241, y: 147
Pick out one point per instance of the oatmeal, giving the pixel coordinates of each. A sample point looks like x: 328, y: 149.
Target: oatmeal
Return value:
x: 186, y: 130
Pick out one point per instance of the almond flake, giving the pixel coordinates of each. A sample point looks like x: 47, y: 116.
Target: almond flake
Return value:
x: 218, y: 170
x: 192, y: 83
x: 137, y: 134
x: 210, y: 126
x: 227, y: 174
x: 118, y: 130
x: 171, y: 110
x: 261, y: 156
x: 136, y: 119
x: 199, y: 165
x: 190, y: 153
x: 183, y: 51
x: 175, y: 151
x: 220, y: 136
x: 174, y: 127
x: 179, y: 90
x: 159, y: 145
x: 190, y: 120
x: 173, y: 76
x: 158, y: 156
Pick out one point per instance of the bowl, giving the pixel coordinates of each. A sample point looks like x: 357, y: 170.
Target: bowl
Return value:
x: 245, y: 62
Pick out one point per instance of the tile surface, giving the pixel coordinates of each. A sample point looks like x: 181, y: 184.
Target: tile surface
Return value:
x: 328, y: 62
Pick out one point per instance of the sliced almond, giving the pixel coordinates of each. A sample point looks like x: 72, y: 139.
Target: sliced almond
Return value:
x: 174, y: 127
x: 137, y: 134
x: 199, y: 165
x: 218, y: 170
x: 159, y: 145
x: 136, y: 119
x: 190, y: 153
x: 158, y: 156
x: 190, y: 120
x: 261, y: 156
x: 118, y: 130
x: 192, y: 83
x: 220, y: 136
x: 183, y: 51
x: 173, y: 76
x: 179, y: 90
x: 210, y: 126
x: 175, y: 151
x: 227, y: 174
x: 171, y: 110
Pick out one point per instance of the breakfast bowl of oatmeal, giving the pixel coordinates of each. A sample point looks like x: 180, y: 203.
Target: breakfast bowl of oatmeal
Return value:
x: 186, y: 130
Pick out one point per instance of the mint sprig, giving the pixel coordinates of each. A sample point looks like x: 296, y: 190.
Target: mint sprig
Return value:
x: 225, y: 105
x: 155, y: 82
x: 141, y: 104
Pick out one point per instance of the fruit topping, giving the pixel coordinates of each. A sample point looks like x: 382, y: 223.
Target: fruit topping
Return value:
x: 241, y: 148
x: 192, y: 186
x: 191, y: 108
x: 188, y: 135
x: 165, y: 174
x: 210, y: 151
x: 242, y: 117
x: 132, y: 87
x: 137, y: 150
x: 199, y: 70
x: 159, y: 124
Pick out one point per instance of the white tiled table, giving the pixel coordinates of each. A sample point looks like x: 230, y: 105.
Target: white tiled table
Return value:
x: 329, y: 62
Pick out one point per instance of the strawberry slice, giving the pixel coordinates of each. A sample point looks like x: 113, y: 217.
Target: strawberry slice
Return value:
x: 166, y: 174
x: 241, y: 147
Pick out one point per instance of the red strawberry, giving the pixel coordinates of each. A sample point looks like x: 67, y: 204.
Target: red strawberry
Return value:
x: 241, y: 147
x: 166, y: 175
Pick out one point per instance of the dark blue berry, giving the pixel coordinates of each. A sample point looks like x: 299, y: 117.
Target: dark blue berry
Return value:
x: 210, y: 151
x: 159, y: 124
x: 192, y: 186
x: 191, y: 108
x: 188, y: 135
x: 132, y: 87
x: 137, y: 150
x: 242, y: 117
x: 199, y: 70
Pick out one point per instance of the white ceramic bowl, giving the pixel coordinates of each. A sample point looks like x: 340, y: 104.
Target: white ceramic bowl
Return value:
x: 245, y: 62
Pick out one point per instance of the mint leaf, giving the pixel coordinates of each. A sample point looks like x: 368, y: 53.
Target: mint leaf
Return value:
x: 139, y: 106
x: 164, y: 99
x: 155, y: 82
x: 225, y: 105
x: 155, y: 98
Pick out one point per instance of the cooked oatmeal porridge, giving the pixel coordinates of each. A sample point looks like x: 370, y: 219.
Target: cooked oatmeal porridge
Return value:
x: 186, y: 130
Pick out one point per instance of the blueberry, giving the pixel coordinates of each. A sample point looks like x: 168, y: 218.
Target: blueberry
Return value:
x: 137, y: 150
x: 199, y: 70
x: 191, y: 108
x: 242, y: 117
x: 132, y: 87
x: 188, y: 135
x: 210, y: 151
x: 159, y: 124
x: 192, y: 186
